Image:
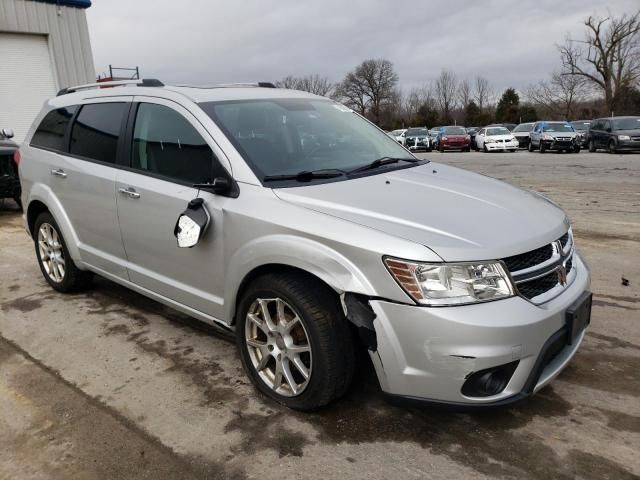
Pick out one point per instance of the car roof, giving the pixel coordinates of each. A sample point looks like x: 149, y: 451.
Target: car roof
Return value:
x: 197, y: 94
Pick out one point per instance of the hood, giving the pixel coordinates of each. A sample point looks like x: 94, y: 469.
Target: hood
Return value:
x: 561, y: 134
x: 506, y: 136
x: 458, y: 214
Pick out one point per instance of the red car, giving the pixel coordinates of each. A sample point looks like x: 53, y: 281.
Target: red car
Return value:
x: 454, y: 138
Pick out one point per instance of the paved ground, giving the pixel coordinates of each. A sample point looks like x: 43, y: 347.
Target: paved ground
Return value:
x: 108, y: 384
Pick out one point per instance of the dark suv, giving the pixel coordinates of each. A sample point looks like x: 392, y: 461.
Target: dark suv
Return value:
x: 616, y: 134
x: 9, y: 158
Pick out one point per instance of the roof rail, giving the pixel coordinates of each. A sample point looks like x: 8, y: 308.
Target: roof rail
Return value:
x: 145, y: 82
x: 232, y: 85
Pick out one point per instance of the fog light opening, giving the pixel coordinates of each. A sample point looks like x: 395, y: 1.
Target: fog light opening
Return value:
x: 489, y: 382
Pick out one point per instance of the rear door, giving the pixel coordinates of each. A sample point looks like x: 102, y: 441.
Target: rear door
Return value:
x: 82, y: 171
x: 168, y: 152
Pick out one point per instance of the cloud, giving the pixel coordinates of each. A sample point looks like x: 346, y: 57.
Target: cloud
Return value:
x: 204, y: 42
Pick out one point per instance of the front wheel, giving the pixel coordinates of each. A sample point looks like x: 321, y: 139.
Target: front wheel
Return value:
x: 530, y: 147
x: 542, y: 147
x: 485, y: 149
x: 576, y: 149
x: 592, y: 146
x: 56, y: 264
x: 294, y: 341
x: 612, y: 147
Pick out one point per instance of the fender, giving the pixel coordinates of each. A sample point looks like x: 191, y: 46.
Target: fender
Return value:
x: 316, y: 258
x: 44, y: 194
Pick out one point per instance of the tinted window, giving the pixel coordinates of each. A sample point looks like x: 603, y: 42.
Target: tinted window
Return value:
x: 51, y: 131
x: 96, y: 129
x: 632, y: 123
x: 523, y: 127
x: 454, y: 131
x: 557, y: 127
x: 165, y: 143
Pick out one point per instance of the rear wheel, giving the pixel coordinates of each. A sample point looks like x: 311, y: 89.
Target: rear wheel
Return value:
x: 56, y: 264
x: 294, y: 341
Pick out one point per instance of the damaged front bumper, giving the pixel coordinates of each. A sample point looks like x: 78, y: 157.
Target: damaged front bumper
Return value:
x: 428, y: 353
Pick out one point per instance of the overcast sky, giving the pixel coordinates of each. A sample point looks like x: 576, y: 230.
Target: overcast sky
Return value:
x: 510, y: 42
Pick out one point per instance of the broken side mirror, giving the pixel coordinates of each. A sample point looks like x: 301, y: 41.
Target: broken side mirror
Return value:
x: 7, y: 132
x: 219, y: 186
x: 192, y: 223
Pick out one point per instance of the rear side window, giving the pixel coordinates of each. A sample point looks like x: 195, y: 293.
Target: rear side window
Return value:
x: 166, y: 144
x: 52, y: 129
x: 96, y: 130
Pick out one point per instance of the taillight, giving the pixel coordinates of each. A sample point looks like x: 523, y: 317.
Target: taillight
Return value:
x: 16, y: 158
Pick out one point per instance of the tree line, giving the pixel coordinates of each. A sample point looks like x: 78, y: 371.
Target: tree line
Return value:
x: 598, y: 75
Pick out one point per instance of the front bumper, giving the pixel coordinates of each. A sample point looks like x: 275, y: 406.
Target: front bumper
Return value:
x: 523, y: 142
x: 414, y: 145
x: 501, y: 146
x: 462, y: 145
x: 427, y: 353
x: 628, y: 145
x: 560, y: 144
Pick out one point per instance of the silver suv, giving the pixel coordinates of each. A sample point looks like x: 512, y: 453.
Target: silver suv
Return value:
x: 559, y: 136
x: 312, y: 234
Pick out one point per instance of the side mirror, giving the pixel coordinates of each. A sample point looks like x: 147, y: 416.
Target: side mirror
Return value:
x: 609, y: 129
x: 219, y: 186
x: 7, y: 132
x: 192, y: 223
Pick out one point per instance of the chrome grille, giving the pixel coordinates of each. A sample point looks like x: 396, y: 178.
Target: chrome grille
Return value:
x: 543, y: 273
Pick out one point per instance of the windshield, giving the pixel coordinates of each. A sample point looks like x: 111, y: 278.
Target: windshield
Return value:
x: 626, y: 123
x: 454, y: 131
x: 524, y: 127
x: 581, y: 125
x: 557, y: 127
x: 498, y: 131
x: 288, y: 136
x: 413, y: 132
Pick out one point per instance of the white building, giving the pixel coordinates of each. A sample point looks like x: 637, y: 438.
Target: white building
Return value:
x: 44, y: 47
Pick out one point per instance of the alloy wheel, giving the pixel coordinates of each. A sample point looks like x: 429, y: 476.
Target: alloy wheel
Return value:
x: 278, y: 346
x: 51, y: 252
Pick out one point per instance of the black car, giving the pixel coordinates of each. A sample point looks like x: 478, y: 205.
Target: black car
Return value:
x: 616, y: 134
x: 417, y: 139
x: 582, y: 128
x: 521, y: 132
x: 9, y: 158
x: 472, y: 131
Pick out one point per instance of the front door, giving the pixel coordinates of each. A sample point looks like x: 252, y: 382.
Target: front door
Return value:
x: 168, y: 153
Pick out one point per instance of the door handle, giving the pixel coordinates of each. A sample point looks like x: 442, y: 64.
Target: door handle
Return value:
x: 59, y: 173
x: 129, y: 192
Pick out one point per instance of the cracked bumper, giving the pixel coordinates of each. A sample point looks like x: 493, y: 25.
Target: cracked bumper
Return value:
x: 427, y: 353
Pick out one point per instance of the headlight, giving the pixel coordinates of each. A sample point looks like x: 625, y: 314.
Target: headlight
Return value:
x: 489, y: 140
x: 442, y: 284
x: 547, y: 137
x: 624, y: 137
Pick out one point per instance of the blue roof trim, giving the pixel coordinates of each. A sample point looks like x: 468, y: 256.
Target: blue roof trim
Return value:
x: 69, y: 3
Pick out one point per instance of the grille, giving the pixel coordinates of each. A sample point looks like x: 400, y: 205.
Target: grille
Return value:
x: 564, y: 239
x: 529, y: 259
x: 569, y: 264
x: 538, y: 286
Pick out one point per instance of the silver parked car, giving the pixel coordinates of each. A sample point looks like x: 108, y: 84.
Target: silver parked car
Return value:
x: 311, y: 233
x: 560, y: 136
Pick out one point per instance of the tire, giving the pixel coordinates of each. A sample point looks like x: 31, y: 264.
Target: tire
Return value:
x: 612, y: 147
x: 542, y: 148
x: 530, y: 147
x: 592, y: 146
x: 576, y: 149
x: 330, y: 361
x: 62, y: 273
x: 485, y: 149
x: 467, y: 149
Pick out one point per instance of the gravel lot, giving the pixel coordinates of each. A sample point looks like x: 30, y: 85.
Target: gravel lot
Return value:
x: 108, y: 384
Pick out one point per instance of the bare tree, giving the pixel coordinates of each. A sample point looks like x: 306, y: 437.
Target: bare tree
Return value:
x: 481, y: 92
x: 417, y: 97
x: 464, y: 93
x: 608, y: 57
x: 309, y: 83
x: 560, y: 96
x: 370, y: 86
x: 446, y: 86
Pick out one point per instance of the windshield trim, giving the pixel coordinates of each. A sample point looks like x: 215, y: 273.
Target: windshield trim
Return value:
x: 273, y: 184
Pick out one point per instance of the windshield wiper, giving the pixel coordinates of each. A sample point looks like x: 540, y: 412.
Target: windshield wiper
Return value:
x: 306, y: 175
x: 382, y: 161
